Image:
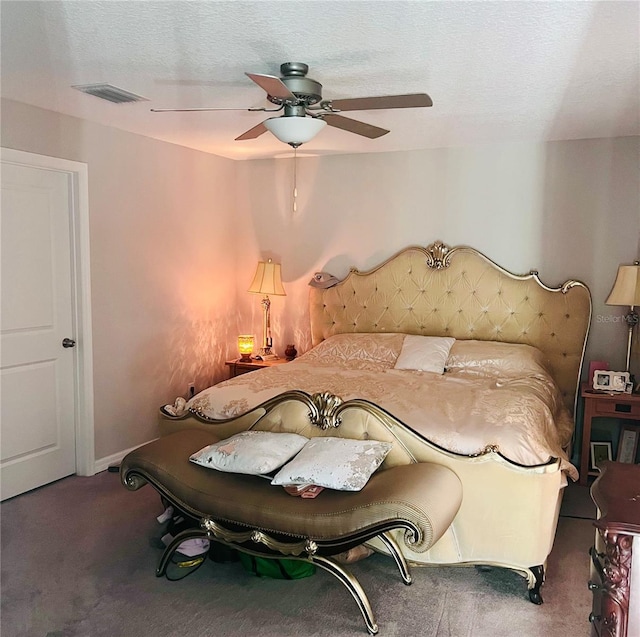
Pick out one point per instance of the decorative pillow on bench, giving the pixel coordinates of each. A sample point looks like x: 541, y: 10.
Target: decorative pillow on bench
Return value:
x: 250, y: 452
x: 335, y: 463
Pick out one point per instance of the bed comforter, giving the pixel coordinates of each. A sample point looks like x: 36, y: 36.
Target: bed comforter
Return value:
x: 490, y: 394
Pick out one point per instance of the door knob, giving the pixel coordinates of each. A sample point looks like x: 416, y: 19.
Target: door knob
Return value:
x: 68, y: 342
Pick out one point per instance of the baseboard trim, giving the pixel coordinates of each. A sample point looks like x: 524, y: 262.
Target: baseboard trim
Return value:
x: 102, y: 464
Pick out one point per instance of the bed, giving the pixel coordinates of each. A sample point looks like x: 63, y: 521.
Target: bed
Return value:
x: 494, y: 403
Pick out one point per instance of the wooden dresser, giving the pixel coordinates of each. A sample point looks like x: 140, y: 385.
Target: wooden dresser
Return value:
x: 615, y: 576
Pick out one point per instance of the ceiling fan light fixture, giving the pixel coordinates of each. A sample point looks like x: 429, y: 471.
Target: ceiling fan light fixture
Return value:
x: 294, y: 130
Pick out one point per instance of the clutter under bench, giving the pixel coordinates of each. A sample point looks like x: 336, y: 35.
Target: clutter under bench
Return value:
x: 249, y: 514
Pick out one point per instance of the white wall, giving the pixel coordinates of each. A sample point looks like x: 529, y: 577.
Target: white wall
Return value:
x: 568, y: 209
x: 162, y: 265
x: 176, y: 234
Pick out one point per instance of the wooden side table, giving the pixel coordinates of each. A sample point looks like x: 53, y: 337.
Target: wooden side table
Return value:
x: 237, y: 366
x: 616, y: 603
x: 602, y: 404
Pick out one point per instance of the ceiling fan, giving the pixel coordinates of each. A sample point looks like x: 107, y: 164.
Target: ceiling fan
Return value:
x: 305, y: 113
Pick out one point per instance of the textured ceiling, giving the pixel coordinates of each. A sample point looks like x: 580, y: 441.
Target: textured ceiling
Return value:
x: 496, y: 71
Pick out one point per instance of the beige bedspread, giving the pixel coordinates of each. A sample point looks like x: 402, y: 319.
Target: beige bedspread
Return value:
x: 517, y: 408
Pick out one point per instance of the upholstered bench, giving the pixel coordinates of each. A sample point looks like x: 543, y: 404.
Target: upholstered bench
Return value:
x: 248, y: 513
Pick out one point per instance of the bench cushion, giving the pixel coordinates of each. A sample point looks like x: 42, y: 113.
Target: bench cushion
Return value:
x: 425, y: 494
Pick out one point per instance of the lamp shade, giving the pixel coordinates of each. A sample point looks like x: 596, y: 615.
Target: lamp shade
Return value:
x: 268, y: 279
x: 295, y: 130
x: 245, y: 346
x: 626, y: 289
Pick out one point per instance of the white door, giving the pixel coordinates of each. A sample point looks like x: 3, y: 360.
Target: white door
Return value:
x: 38, y: 425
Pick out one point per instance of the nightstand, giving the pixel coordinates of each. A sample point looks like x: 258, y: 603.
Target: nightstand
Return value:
x: 600, y: 404
x: 237, y: 366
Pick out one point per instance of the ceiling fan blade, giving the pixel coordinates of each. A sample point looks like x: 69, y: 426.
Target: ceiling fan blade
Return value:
x: 273, y: 85
x: 191, y: 110
x: 252, y: 133
x: 412, y: 100
x: 354, y: 126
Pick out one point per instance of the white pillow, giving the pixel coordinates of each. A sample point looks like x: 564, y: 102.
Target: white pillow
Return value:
x: 250, y: 452
x: 335, y: 463
x: 424, y: 353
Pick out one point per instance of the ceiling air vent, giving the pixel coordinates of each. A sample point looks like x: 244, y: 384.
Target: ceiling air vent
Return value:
x: 110, y: 93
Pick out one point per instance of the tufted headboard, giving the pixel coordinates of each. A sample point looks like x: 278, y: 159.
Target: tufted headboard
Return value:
x: 459, y: 292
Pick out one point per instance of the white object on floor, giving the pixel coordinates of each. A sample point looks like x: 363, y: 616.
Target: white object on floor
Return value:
x: 168, y: 512
x: 190, y: 548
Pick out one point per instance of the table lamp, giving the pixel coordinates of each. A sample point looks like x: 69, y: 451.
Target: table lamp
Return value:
x: 245, y: 347
x: 267, y: 280
x: 626, y: 291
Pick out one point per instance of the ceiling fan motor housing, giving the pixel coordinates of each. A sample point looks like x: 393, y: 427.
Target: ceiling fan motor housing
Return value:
x: 308, y: 91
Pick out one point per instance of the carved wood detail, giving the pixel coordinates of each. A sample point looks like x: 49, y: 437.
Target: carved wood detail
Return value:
x: 438, y: 255
x: 324, y: 410
x: 615, y: 587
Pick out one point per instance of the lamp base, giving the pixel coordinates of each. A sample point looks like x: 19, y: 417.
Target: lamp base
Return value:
x: 245, y: 358
x: 632, y: 319
x: 266, y: 354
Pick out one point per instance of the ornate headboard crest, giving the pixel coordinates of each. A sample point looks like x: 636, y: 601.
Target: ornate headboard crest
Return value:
x: 438, y: 255
x: 459, y: 292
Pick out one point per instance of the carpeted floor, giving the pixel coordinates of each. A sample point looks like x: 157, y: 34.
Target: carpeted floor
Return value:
x: 77, y: 562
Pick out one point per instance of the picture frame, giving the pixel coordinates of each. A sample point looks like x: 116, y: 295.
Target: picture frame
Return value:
x: 605, y: 380
x: 600, y: 451
x: 596, y: 365
x: 628, y: 444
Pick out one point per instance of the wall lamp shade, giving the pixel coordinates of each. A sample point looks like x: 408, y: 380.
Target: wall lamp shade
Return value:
x: 295, y: 130
x: 626, y: 291
x: 267, y: 280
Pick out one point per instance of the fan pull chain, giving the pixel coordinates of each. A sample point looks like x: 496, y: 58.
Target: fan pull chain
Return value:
x: 295, y: 180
